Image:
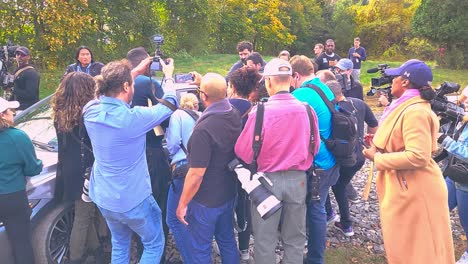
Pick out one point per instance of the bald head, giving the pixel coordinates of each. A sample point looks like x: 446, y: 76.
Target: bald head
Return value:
x: 214, y: 85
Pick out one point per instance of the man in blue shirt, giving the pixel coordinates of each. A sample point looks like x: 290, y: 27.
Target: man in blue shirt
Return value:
x: 147, y: 92
x: 325, y: 164
x: 120, y: 183
x: 357, y: 54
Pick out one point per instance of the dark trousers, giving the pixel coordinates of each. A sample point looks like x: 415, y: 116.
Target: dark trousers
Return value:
x: 244, y: 219
x: 160, y: 174
x: 15, y: 215
x: 339, y: 190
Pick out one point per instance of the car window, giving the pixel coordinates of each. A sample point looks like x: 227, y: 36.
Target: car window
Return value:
x: 39, y: 126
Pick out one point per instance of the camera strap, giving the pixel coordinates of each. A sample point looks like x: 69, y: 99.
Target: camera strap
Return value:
x: 257, y: 138
x: 195, y: 117
x: 312, y: 141
x: 17, y: 73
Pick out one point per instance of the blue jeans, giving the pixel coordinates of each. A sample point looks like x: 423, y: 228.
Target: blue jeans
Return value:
x: 458, y: 198
x: 145, y: 220
x: 317, y: 216
x: 179, y: 230
x: 204, y: 223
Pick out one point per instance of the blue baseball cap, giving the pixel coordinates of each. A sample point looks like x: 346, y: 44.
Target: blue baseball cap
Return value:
x: 345, y: 64
x: 416, y: 71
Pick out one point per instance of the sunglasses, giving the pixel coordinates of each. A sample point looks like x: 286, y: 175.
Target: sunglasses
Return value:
x: 199, y: 91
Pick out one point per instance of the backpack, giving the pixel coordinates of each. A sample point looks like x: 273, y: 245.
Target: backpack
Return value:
x: 343, y: 139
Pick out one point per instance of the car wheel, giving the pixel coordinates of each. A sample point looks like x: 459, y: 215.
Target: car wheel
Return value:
x: 51, y: 238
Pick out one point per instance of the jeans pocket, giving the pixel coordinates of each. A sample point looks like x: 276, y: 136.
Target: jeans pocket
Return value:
x: 153, y: 204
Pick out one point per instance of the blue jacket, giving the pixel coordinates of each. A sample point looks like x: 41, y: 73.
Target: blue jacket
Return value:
x: 459, y: 149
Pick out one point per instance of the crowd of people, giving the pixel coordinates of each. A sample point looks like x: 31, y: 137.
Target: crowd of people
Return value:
x: 111, y: 121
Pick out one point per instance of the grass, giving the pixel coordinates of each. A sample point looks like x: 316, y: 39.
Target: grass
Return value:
x: 351, y: 255
x: 221, y: 63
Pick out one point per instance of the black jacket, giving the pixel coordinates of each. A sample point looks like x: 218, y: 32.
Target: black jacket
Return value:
x: 26, y: 87
x: 94, y: 69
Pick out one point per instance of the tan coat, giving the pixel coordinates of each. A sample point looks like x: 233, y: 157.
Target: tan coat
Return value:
x: 411, y: 189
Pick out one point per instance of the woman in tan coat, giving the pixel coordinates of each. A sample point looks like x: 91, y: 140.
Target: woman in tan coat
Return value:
x: 410, y: 186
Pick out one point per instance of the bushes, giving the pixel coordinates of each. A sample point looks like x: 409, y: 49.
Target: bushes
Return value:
x: 421, y: 49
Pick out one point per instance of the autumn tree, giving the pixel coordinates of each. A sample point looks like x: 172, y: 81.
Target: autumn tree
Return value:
x: 45, y: 26
x: 383, y: 25
x: 445, y: 23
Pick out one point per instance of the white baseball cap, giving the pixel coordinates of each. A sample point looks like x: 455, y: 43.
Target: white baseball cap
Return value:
x: 276, y: 67
x: 4, y: 105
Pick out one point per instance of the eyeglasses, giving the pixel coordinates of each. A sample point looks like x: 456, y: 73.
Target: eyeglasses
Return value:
x: 199, y: 91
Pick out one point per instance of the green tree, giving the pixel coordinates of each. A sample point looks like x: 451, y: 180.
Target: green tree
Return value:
x: 343, y: 26
x: 307, y: 25
x: 383, y: 25
x: 45, y: 26
x: 445, y: 23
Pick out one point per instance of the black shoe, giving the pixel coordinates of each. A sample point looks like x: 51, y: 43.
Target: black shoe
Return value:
x: 351, y: 193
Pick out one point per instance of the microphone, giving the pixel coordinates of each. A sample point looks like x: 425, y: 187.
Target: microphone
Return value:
x: 372, y: 70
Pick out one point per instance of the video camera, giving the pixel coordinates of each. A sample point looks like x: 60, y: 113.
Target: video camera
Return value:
x: 377, y: 83
x: 448, y: 111
x: 342, y: 79
x: 158, y: 41
x: 7, y: 51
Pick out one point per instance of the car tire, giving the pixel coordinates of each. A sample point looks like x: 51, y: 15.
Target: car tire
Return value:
x: 51, y: 237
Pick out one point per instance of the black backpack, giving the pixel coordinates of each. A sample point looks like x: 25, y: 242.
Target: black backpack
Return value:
x: 343, y: 139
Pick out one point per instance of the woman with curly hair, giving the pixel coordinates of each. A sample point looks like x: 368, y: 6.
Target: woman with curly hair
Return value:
x: 242, y: 83
x: 74, y: 156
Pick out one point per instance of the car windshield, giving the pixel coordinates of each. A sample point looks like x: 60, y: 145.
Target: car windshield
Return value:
x: 38, y: 124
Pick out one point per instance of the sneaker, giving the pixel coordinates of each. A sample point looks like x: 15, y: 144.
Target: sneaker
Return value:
x: 351, y: 193
x: 332, y: 218
x: 463, y: 259
x: 244, y: 254
x: 346, y: 231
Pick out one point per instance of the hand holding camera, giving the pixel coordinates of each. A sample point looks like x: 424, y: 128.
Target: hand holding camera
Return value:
x: 167, y: 67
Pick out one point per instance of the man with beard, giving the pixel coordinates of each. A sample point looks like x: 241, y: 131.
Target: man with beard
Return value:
x: 26, y: 83
x: 120, y: 182
x: 244, y: 48
x: 147, y: 93
x: 328, y: 59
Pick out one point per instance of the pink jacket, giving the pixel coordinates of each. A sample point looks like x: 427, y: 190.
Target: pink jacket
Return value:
x: 285, y: 135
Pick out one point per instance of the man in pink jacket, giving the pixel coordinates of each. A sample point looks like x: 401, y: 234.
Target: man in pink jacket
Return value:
x: 284, y: 158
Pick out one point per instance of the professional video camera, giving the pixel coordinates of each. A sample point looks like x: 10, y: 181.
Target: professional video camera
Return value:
x: 448, y: 111
x: 158, y: 41
x: 450, y: 114
x: 255, y: 185
x: 342, y: 79
x: 6, y: 79
x: 381, y: 84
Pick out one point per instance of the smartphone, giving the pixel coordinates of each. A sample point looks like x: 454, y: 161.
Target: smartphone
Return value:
x: 183, y: 77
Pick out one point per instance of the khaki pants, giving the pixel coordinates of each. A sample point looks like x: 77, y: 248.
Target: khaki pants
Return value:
x: 291, y: 188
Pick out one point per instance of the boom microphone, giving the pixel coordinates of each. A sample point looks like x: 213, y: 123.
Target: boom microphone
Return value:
x: 372, y: 70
